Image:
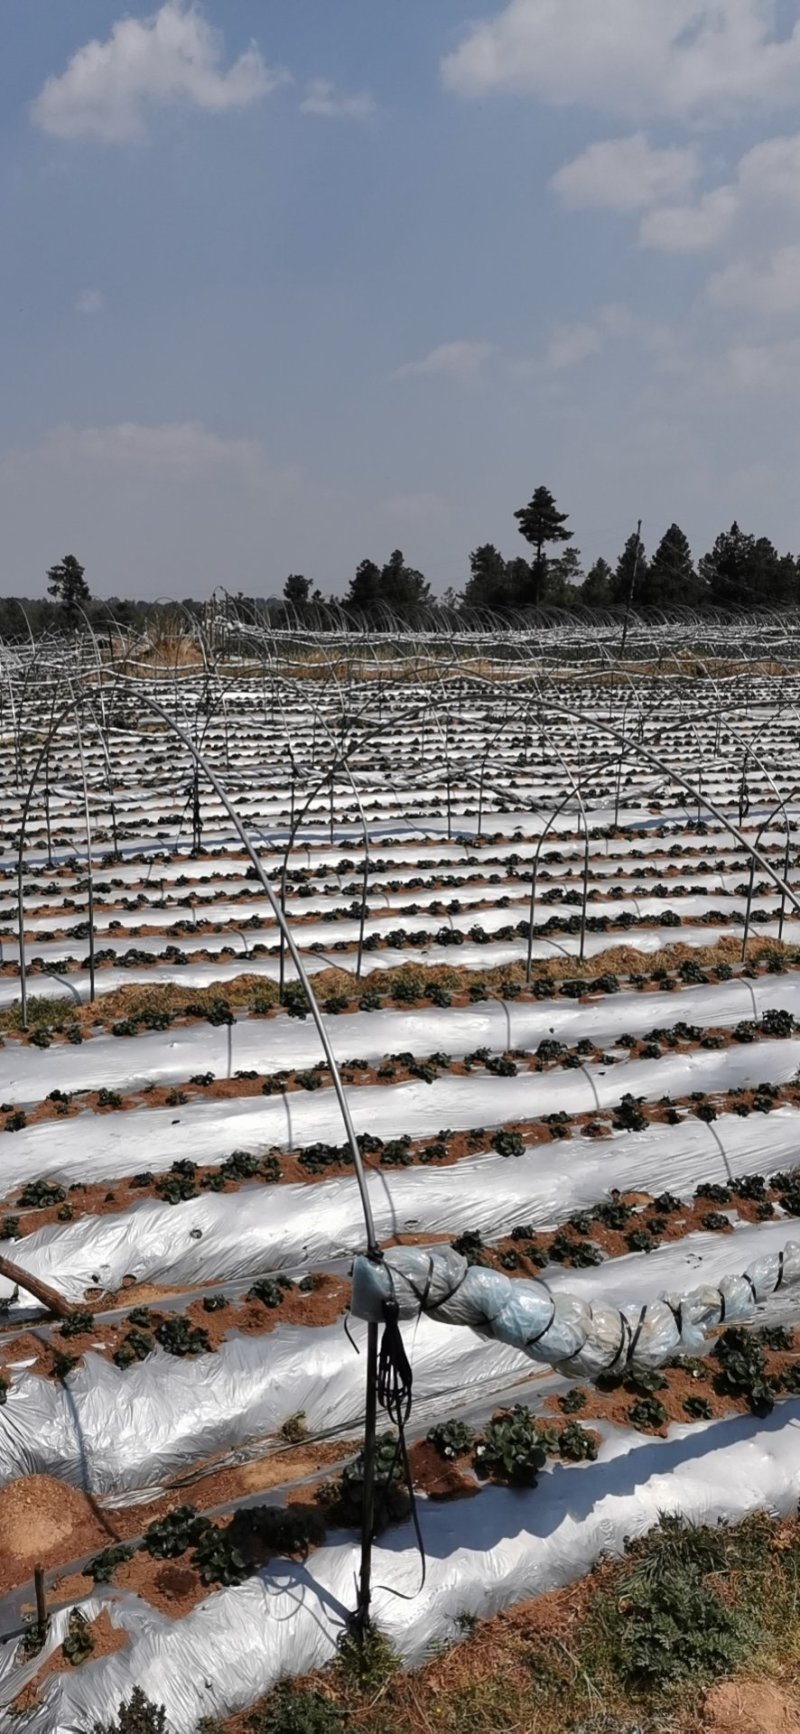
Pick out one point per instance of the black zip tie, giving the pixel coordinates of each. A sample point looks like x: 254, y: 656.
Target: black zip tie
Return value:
x: 348, y: 1333
x: 529, y: 1341
x: 636, y: 1335
x: 677, y: 1314
x: 624, y: 1334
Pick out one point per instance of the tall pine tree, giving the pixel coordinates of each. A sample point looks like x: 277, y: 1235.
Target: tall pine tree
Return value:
x: 488, y: 583
x: 631, y: 572
x: 541, y: 523
x: 67, y: 583
x: 595, y: 591
x: 671, y: 580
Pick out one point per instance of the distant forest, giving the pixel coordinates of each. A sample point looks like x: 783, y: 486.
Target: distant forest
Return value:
x: 741, y: 571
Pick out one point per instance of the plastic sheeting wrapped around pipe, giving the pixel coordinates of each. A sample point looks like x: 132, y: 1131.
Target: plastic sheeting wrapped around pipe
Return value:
x: 581, y: 1339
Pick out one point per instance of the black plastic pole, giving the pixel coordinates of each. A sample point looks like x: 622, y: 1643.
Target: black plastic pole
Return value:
x: 368, y: 1510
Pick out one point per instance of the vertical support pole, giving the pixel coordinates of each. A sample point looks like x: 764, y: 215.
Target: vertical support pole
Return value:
x: 368, y: 1510
x: 89, y: 864
x: 23, y: 970
x: 786, y: 876
x: 746, y: 931
x: 41, y: 1598
x: 631, y: 588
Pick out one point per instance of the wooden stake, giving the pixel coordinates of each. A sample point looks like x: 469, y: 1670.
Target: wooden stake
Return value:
x: 41, y: 1291
x: 41, y: 1599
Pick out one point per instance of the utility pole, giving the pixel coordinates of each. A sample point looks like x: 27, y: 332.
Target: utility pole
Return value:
x: 631, y: 587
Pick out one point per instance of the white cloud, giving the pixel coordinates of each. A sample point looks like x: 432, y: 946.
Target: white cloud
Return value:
x: 90, y: 301
x: 763, y: 366
x: 459, y: 360
x: 174, y: 57
x: 323, y: 99
x: 571, y: 345
x: 186, y: 449
x: 625, y: 174
x: 768, y: 286
x: 701, y: 59
x: 691, y: 228
x: 771, y: 171
x: 164, y: 509
x: 768, y: 174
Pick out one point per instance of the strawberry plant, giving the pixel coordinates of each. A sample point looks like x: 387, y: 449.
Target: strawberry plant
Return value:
x: 76, y: 1323
x: 646, y: 1414
x: 179, y: 1338
x: 136, y: 1346
x: 172, y: 1535
x: 104, y: 1565
x: 269, y: 1290
x: 697, y: 1408
x: 287, y: 1529
x: 175, y: 1188
x: 510, y: 1448
x: 79, y: 1642
x: 343, y: 1498
x: 508, y: 1143
x: 38, y: 1194
x: 451, y: 1438
x: 743, y: 1370
x: 572, y: 1401
x: 576, y: 1445
x: 217, y: 1558
x: 628, y: 1116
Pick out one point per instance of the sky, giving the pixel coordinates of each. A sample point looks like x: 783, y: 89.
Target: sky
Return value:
x: 286, y: 284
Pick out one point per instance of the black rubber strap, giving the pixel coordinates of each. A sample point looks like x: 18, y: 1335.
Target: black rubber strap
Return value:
x: 624, y: 1335
x: 531, y: 1341
x: 636, y: 1335
x: 677, y: 1314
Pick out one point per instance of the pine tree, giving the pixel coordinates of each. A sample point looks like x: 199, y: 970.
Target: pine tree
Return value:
x: 562, y: 579
x: 540, y: 522
x: 297, y: 589
x: 365, y: 587
x: 488, y: 585
x: 631, y: 572
x: 595, y: 591
x: 671, y: 580
x: 402, y: 587
x: 66, y: 582
x: 732, y: 569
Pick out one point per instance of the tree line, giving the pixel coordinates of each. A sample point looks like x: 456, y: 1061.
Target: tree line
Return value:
x: 739, y: 571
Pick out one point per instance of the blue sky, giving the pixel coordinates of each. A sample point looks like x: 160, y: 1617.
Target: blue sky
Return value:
x: 285, y: 283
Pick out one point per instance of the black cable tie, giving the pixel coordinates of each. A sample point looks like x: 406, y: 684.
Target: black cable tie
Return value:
x: 348, y: 1333
x: 624, y: 1334
x: 531, y: 1341
x: 636, y: 1335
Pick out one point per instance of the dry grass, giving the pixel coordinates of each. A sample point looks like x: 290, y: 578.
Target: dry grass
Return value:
x: 241, y: 992
x: 552, y: 1665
